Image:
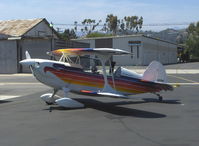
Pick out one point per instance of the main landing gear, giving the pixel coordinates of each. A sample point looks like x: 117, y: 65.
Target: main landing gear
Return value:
x: 63, y: 102
x: 49, y: 97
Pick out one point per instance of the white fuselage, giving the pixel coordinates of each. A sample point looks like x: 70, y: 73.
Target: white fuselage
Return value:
x: 38, y: 70
x: 47, y: 78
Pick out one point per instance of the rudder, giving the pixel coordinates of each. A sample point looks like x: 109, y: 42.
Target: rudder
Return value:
x: 155, y: 72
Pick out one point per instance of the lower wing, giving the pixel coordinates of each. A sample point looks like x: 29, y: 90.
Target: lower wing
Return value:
x: 104, y: 94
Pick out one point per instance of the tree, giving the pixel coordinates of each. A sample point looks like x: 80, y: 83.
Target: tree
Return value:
x: 112, y: 22
x: 89, y: 25
x: 192, y: 43
x: 75, y: 24
x: 122, y: 26
x: 104, y: 28
x: 68, y: 34
x: 133, y: 23
x: 98, y: 34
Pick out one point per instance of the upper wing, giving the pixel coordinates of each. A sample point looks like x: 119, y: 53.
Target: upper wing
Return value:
x: 90, y: 51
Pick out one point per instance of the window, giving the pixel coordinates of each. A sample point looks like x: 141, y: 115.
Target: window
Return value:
x: 41, y: 33
x: 135, y: 44
x: 131, y: 52
x: 138, y: 53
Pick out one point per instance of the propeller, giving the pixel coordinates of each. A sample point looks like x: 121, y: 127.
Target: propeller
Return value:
x: 27, y: 55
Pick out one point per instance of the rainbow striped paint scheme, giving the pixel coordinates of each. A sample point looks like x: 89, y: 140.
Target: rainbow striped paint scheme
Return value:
x: 88, y: 51
x: 126, y: 85
x: 71, y: 51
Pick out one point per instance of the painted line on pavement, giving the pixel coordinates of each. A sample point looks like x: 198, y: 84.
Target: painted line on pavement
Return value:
x: 183, y: 79
x: 8, y: 75
x: 183, y: 84
x: 16, y: 83
x: 172, y: 71
x: 4, y: 97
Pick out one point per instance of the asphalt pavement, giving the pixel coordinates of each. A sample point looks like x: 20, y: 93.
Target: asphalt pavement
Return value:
x: 143, y: 121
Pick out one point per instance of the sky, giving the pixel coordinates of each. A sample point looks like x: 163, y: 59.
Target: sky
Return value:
x: 68, y: 11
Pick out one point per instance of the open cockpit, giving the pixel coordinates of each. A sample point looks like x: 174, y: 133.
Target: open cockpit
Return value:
x: 73, y: 61
x: 92, y: 64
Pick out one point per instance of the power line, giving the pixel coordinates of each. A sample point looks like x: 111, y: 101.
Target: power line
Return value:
x: 166, y: 24
x: 150, y: 24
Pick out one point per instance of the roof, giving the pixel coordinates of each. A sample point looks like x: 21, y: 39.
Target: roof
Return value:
x: 108, y: 37
x: 124, y: 36
x: 18, y: 27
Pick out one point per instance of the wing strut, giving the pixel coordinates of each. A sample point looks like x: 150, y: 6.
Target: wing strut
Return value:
x: 107, y: 88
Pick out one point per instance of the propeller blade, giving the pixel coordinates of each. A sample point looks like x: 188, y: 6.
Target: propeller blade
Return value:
x: 31, y: 70
x: 28, y: 55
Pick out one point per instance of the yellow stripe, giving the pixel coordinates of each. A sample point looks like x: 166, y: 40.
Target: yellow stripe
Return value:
x: 183, y: 79
x: 84, y: 83
x: 179, y: 84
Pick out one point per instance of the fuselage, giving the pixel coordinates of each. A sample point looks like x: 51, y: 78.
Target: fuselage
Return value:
x: 59, y: 74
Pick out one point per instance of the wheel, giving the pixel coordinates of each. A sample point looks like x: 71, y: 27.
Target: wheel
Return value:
x: 49, y: 103
x: 160, y: 98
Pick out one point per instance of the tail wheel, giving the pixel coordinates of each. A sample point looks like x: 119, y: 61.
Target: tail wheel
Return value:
x: 160, y: 98
x: 49, y: 103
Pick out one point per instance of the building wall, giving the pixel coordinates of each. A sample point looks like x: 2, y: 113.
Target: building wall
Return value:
x: 89, y: 41
x: 8, y: 56
x: 37, y: 49
x: 172, y: 53
x: 11, y: 52
x: 40, y: 30
x: 104, y: 43
x: 60, y: 44
x: 123, y: 44
x: 164, y: 52
x: 148, y: 50
x: 3, y: 36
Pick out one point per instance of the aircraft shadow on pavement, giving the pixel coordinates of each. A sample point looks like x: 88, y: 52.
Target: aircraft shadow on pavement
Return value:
x: 4, y: 101
x: 165, y: 101
x: 115, y: 109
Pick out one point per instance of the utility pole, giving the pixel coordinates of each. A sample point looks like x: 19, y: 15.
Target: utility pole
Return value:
x: 52, y: 38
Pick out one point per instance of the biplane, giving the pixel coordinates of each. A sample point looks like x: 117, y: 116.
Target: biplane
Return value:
x: 70, y: 75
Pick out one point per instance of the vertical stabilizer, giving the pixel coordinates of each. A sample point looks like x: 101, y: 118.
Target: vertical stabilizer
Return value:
x: 155, y: 72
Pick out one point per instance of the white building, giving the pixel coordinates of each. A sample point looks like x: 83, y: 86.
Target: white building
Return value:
x: 144, y: 49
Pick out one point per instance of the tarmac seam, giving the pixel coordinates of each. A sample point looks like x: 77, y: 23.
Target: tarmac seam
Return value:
x: 138, y: 134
